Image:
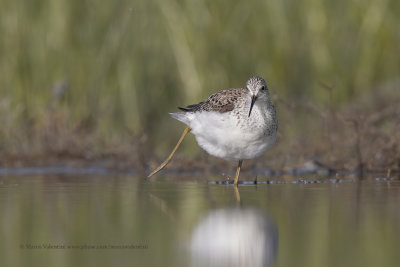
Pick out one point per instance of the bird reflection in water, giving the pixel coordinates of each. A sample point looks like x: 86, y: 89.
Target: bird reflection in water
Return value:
x: 234, y: 237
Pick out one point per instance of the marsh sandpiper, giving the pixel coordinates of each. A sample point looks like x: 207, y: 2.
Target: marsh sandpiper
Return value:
x: 233, y: 124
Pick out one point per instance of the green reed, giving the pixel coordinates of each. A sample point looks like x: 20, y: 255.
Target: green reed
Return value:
x: 113, y: 69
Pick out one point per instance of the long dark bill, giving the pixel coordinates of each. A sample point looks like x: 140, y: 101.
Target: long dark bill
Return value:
x: 253, y: 100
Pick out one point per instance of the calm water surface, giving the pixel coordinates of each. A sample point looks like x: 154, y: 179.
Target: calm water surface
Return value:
x: 120, y: 220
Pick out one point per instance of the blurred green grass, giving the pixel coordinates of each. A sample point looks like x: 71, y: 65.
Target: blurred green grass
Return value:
x: 104, y: 74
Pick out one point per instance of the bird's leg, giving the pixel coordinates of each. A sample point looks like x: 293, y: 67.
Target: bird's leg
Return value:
x: 235, y: 182
x: 237, y: 195
x: 159, y: 168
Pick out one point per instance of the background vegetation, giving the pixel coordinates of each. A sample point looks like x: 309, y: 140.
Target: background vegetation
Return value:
x: 88, y: 78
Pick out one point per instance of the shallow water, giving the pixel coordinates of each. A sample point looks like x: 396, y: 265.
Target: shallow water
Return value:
x: 123, y: 220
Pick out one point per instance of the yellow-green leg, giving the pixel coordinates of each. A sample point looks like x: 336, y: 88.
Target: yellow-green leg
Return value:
x: 159, y: 168
x: 237, y: 194
x: 235, y: 182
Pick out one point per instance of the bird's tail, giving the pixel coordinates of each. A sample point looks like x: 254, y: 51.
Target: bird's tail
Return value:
x: 180, y: 116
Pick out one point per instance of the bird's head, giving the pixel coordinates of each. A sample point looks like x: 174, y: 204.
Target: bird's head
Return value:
x: 258, y: 90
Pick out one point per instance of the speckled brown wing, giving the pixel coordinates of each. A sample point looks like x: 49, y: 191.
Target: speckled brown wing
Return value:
x: 223, y: 101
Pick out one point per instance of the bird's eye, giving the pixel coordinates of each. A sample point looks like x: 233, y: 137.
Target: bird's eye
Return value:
x: 263, y: 88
